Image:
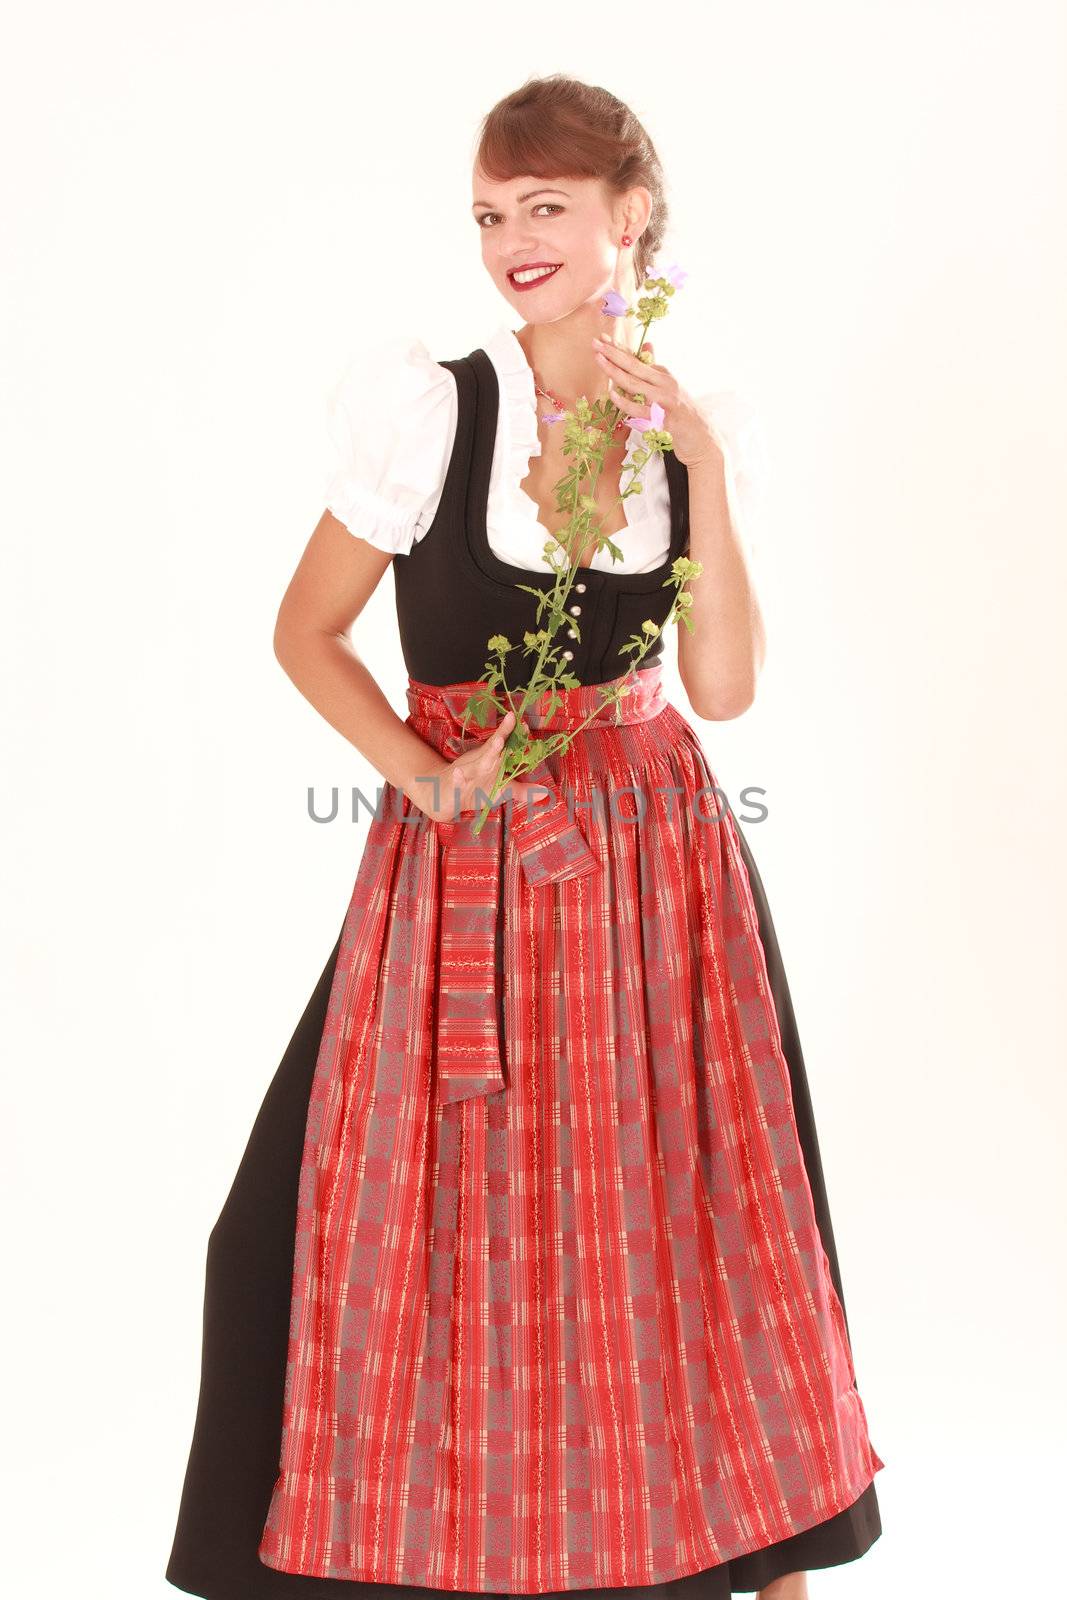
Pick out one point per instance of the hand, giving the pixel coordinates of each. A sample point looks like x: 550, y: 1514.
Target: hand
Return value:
x: 693, y: 440
x: 464, y: 782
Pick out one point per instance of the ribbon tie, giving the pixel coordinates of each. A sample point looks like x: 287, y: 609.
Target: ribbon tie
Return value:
x: 551, y: 846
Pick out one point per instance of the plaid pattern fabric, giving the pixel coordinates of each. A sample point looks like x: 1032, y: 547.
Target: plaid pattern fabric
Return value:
x: 469, y: 1056
x: 578, y: 1331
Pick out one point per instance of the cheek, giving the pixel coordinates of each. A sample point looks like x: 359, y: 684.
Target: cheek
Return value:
x: 603, y: 257
x: 587, y: 248
x: 597, y: 278
x: 590, y: 261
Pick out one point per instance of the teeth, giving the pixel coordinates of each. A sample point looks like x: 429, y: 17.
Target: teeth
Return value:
x: 534, y: 272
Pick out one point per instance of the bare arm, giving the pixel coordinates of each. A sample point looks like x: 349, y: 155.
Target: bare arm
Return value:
x: 721, y: 657
x: 720, y: 661
x: 336, y: 576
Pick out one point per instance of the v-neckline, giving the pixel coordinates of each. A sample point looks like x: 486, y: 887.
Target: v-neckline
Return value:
x: 527, y: 373
x: 476, y: 522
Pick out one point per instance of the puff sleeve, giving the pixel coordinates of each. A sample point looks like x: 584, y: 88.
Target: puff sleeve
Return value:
x: 392, y: 419
x: 737, y: 424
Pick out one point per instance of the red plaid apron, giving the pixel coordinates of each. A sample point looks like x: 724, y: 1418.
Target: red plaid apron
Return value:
x: 561, y: 1316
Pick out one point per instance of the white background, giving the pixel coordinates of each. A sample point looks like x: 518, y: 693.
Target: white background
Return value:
x: 206, y: 208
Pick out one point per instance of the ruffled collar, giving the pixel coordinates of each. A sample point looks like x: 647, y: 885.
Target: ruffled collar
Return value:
x: 520, y: 441
x: 518, y: 395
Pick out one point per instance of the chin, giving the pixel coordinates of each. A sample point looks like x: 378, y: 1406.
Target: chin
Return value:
x: 557, y: 311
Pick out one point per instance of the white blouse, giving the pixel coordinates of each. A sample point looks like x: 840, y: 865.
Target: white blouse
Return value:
x: 393, y: 419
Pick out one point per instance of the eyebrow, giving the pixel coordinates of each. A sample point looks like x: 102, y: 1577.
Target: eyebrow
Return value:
x: 527, y: 196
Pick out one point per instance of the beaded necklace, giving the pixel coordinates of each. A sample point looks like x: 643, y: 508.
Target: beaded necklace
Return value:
x: 623, y: 421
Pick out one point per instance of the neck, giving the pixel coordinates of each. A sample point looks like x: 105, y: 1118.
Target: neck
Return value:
x: 562, y: 356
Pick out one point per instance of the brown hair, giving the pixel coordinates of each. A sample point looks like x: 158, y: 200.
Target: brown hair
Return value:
x: 558, y: 127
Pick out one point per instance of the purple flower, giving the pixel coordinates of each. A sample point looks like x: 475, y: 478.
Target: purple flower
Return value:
x: 614, y: 304
x: 653, y: 421
x: 553, y: 416
x: 674, y: 274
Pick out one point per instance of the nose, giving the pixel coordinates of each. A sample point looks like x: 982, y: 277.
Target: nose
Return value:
x: 515, y: 248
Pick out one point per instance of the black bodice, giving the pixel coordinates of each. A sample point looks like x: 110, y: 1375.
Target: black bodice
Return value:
x: 453, y: 592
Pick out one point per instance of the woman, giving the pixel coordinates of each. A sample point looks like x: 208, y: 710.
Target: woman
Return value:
x: 526, y: 1283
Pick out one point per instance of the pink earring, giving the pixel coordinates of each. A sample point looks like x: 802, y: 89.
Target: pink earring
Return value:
x: 626, y: 239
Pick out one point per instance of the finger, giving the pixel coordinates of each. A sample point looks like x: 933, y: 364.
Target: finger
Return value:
x: 495, y: 740
x: 612, y: 359
x: 504, y: 794
x: 642, y: 381
x: 513, y: 793
x: 624, y: 401
x: 613, y: 355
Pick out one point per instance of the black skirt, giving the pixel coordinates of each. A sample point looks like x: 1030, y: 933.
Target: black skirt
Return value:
x: 233, y: 1459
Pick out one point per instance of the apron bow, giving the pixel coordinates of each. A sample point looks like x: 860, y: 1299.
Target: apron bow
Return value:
x: 552, y: 847
x: 470, y: 1018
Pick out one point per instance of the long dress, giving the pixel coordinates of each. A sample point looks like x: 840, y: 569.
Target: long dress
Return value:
x: 526, y: 1283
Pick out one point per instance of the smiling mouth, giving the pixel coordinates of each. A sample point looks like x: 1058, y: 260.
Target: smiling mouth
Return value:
x: 528, y: 277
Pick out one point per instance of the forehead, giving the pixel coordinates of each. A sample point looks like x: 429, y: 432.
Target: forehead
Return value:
x: 525, y: 187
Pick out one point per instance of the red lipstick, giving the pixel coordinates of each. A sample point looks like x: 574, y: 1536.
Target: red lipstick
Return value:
x: 534, y: 283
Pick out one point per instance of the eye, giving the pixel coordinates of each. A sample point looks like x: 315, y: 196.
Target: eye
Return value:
x: 545, y: 205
